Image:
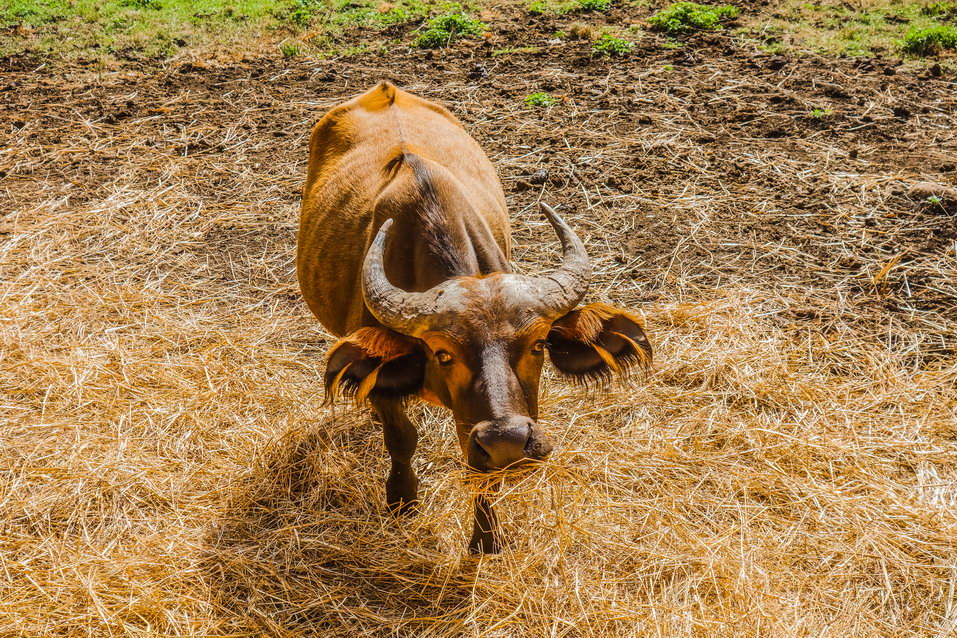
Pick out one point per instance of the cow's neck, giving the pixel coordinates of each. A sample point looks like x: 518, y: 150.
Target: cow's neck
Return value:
x: 438, y: 234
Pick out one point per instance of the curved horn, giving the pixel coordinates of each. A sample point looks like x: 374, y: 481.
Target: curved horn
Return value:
x: 561, y: 290
x: 394, y: 308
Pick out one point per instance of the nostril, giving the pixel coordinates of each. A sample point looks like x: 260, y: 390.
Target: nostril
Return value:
x: 505, y: 441
x: 539, y: 445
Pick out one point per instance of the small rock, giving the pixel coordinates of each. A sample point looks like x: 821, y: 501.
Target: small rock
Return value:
x: 777, y: 63
x: 478, y: 72
x: 539, y: 177
x: 889, y: 70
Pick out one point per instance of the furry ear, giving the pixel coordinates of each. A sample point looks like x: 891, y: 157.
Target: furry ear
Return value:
x: 597, y: 341
x: 375, y: 363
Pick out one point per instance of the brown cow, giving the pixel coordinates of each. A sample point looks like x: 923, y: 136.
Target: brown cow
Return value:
x: 403, y: 253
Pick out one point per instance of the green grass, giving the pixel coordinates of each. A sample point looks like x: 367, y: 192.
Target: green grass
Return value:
x: 684, y: 17
x: 860, y: 29
x: 941, y: 9
x: 290, y: 49
x: 540, y: 100
x: 929, y: 40
x: 139, y: 28
x: 339, y: 15
x: 561, y: 7
x: 610, y: 45
x: 155, y: 30
x: 446, y: 28
x: 158, y: 29
x: 595, y: 5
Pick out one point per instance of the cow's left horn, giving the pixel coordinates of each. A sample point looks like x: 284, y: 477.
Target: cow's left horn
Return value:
x: 561, y: 290
x: 395, y: 308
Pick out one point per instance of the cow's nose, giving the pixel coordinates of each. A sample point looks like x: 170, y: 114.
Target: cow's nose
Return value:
x: 504, y: 442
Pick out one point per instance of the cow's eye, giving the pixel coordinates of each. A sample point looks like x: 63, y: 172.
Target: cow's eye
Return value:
x: 539, y: 346
x: 443, y: 357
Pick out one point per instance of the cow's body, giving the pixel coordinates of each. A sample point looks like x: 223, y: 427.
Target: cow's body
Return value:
x: 434, y: 312
x: 372, y: 159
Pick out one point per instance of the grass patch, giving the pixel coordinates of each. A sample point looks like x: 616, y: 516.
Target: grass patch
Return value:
x: 941, y: 9
x: 303, y: 11
x: 595, y: 5
x: 142, y: 4
x: 684, y: 17
x: 132, y: 28
x: 158, y: 29
x: 929, y: 41
x: 561, y: 7
x: 290, y: 49
x: 446, y: 28
x: 147, y: 30
x: 540, y: 100
x: 341, y: 15
x: 831, y: 27
x: 613, y: 46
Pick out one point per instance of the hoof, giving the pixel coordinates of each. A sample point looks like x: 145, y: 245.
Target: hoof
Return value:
x: 402, y: 493
x: 484, y: 544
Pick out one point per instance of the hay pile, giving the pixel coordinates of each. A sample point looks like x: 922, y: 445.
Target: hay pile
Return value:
x: 788, y: 469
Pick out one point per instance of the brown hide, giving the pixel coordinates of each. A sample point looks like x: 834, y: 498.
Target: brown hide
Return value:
x: 388, y: 154
x: 454, y: 326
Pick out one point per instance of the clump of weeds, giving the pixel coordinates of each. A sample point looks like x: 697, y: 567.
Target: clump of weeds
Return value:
x: 303, y: 11
x: 289, y: 49
x: 582, y: 31
x: 595, y: 5
x: 540, y: 100
x: 929, y: 40
x: 684, y: 17
x: 613, y: 46
x: 941, y: 9
x: 448, y: 27
x: 561, y: 7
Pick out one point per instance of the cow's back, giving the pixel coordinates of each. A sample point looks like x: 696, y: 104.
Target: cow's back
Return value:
x: 351, y: 151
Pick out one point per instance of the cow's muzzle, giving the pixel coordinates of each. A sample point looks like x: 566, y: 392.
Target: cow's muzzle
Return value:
x: 506, y: 443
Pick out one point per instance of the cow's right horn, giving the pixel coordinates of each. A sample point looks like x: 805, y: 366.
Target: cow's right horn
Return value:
x: 561, y: 290
x: 402, y: 311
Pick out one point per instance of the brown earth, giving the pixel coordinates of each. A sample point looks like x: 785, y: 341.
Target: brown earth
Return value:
x: 706, y: 163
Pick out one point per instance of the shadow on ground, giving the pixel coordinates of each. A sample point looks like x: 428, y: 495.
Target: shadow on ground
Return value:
x: 306, y: 546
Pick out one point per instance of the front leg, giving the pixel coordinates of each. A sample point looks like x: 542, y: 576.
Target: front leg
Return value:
x: 485, y: 529
x: 401, y: 488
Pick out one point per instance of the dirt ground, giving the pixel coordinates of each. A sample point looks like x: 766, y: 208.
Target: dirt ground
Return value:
x: 170, y: 470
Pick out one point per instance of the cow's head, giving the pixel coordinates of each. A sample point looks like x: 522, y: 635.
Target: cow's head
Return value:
x: 477, y: 344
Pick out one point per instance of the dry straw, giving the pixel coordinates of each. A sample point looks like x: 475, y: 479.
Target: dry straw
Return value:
x: 787, y: 469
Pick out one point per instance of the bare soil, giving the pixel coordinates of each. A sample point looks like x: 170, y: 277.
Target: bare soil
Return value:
x: 706, y: 162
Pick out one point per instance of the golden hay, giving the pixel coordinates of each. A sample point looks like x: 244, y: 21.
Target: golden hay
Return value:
x: 169, y: 468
